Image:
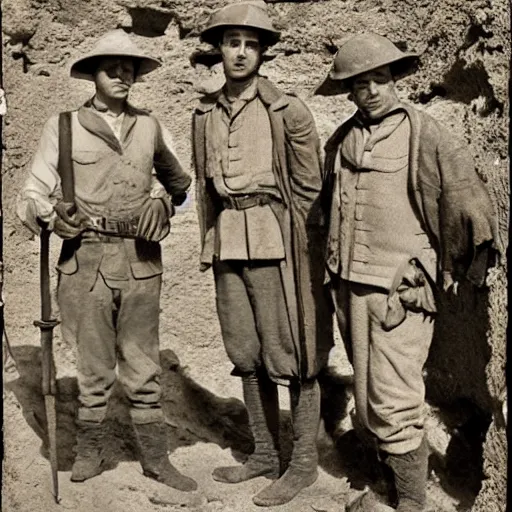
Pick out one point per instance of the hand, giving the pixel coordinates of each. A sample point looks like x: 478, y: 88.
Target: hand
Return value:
x: 449, y: 284
x: 154, y: 222
x: 65, y: 230
x: 31, y: 220
x: 69, y: 222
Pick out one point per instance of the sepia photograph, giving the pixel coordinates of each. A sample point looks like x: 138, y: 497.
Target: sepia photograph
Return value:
x: 254, y: 255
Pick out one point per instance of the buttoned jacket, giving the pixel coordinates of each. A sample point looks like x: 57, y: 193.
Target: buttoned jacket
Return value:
x: 447, y: 194
x: 297, y: 169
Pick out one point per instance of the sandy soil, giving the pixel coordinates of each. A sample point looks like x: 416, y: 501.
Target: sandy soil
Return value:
x: 207, y: 421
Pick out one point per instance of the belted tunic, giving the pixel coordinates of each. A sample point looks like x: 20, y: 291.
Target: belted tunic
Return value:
x: 240, y: 164
x: 113, y: 178
x: 295, y: 183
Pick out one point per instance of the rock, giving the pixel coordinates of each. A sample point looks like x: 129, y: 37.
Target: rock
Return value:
x: 19, y: 20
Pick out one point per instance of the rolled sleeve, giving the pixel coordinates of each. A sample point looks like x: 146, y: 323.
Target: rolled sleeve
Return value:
x: 42, y: 190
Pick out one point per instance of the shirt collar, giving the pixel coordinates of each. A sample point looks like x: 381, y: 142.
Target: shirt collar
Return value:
x: 100, y: 107
x: 247, y: 95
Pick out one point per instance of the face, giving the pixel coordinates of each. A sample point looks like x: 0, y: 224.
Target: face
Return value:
x: 114, y: 76
x: 241, y: 53
x: 374, y: 92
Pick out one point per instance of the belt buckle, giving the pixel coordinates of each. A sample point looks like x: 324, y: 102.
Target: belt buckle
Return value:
x: 98, y: 223
x: 244, y: 201
x: 236, y: 202
x: 127, y: 228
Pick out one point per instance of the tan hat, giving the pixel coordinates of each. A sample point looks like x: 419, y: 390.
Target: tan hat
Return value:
x: 361, y: 54
x: 248, y: 14
x: 116, y: 43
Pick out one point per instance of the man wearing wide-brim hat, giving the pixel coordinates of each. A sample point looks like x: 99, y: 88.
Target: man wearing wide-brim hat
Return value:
x: 109, y: 201
x: 256, y: 154
x: 408, y: 211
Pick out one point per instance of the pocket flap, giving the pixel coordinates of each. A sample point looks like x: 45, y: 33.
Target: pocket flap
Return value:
x: 86, y: 157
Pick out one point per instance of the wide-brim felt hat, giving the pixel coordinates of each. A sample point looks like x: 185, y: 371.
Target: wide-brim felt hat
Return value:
x: 248, y: 14
x: 363, y: 53
x: 116, y: 43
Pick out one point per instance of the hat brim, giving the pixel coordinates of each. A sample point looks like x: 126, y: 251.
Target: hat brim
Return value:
x: 211, y: 58
x: 85, y: 67
x: 400, y: 68
x: 213, y: 35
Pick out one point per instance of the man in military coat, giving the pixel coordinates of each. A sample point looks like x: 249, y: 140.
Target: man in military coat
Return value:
x: 258, y: 172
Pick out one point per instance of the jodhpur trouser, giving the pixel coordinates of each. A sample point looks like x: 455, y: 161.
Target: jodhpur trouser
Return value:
x: 388, y: 369
x: 254, y: 319
x: 114, y: 324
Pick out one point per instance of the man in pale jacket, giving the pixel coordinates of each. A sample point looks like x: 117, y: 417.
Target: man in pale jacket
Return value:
x: 123, y: 166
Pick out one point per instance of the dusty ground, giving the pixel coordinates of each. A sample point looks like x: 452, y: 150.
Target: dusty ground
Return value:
x: 462, y: 81
x: 207, y: 422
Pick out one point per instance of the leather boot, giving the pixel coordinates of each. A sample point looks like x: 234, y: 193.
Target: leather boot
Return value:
x: 152, y: 441
x: 261, y: 400
x: 89, y: 441
x: 411, y: 473
x: 302, y: 471
x: 368, y: 502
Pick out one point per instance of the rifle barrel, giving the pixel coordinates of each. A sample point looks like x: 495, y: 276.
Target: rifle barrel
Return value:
x: 51, y: 417
x: 48, y: 384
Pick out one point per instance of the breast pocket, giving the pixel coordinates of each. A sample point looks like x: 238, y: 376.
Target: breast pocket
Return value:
x: 84, y: 157
x: 92, y: 174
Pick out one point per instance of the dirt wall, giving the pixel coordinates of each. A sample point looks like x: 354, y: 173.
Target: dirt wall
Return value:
x: 462, y: 81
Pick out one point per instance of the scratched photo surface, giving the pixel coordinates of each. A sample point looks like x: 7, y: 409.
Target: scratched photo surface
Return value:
x: 181, y: 409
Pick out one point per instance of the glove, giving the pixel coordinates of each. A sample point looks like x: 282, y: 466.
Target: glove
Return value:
x: 154, y: 222
x: 69, y: 222
x: 411, y: 291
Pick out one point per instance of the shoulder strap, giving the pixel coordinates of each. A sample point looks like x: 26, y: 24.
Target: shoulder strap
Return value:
x: 65, y: 164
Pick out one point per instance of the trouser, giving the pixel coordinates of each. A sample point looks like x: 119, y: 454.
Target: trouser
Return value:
x: 254, y: 319
x: 388, y: 369
x: 114, y: 324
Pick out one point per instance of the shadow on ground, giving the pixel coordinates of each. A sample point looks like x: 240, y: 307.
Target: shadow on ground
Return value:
x: 458, y: 471
x: 195, y: 414
x: 192, y: 413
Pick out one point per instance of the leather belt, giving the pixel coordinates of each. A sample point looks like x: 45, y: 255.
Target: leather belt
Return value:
x: 248, y: 201
x: 126, y: 228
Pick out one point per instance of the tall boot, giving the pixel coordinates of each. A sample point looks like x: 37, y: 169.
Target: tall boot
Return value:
x: 89, y: 446
x: 302, y: 471
x: 261, y: 400
x: 411, y: 473
x: 152, y: 441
